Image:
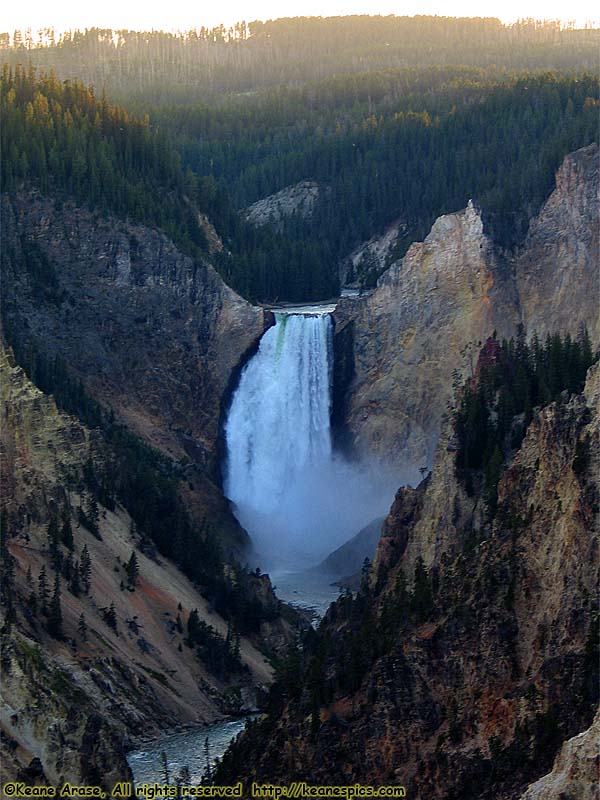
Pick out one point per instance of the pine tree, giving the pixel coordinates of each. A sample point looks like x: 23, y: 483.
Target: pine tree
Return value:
x: 82, y: 627
x: 33, y: 601
x: 193, y: 626
x: 110, y: 616
x: 165, y: 768
x: 75, y: 585
x: 55, y: 611
x: 184, y: 778
x: 208, y: 769
x: 422, y: 596
x: 67, y: 568
x: 43, y: 589
x: 53, y: 536
x: 66, y: 532
x: 132, y: 569
x: 493, y: 470
x: 85, y: 569
x: 93, y: 515
x: 236, y: 651
x: 7, y: 574
x: 587, y: 355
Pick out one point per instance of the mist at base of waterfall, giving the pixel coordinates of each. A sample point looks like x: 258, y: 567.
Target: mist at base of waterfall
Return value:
x: 323, y: 507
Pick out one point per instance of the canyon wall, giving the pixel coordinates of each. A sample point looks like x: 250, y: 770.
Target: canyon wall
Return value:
x: 557, y: 271
x: 154, y: 336
x: 399, y: 346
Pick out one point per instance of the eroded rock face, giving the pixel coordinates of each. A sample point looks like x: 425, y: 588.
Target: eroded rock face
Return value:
x: 297, y: 200
x: 398, y: 347
x: 575, y: 772
x: 407, y: 336
x: 153, y: 336
x: 558, y: 270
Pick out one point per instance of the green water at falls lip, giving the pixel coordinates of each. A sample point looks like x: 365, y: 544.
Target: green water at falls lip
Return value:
x: 316, y: 310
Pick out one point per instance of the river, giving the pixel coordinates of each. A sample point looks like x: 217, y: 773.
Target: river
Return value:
x: 183, y: 749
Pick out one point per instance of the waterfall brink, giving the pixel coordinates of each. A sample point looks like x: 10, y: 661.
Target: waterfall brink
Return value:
x: 294, y: 496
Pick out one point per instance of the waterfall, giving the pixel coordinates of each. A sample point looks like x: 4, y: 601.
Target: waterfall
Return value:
x: 294, y: 496
x: 278, y: 425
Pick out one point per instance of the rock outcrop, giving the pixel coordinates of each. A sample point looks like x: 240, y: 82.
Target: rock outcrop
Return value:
x: 411, y: 333
x: 371, y: 256
x: 72, y: 703
x: 152, y: 335
x: 297, y: 200
x: 558, y: 269
x: 398, y: 347
x: 465, y: 682
x: 576, y: 770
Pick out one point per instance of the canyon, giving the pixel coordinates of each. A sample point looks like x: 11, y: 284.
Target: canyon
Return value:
x: 160, y: 342
x: 72, y: 705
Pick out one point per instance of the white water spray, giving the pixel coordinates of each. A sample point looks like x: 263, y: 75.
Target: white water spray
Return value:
x: 295, y: 497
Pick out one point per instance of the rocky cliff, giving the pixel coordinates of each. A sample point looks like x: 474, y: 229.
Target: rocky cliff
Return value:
x: 398, y: 347
x: 371, y: 257
x: 154, y: 336
x: 557, y: 271
x: 298, y: 200
x: 72, y: 701
x: 471, y: 655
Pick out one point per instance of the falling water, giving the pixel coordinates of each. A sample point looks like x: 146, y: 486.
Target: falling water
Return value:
x: 278, y: 425
x: 296, y: 498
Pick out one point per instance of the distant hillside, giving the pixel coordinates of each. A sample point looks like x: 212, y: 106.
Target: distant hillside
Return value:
x: 163, y: 67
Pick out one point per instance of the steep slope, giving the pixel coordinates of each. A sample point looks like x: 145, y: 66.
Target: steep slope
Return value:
x: 349, y: 558
x: 471, y: 655
x: 72, y: 700
x: 153, y: 335
x: 398, y: 348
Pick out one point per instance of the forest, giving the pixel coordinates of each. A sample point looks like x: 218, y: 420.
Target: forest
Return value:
x: 497, y: 405
x: 248, y: 56
x: 396, y: 119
